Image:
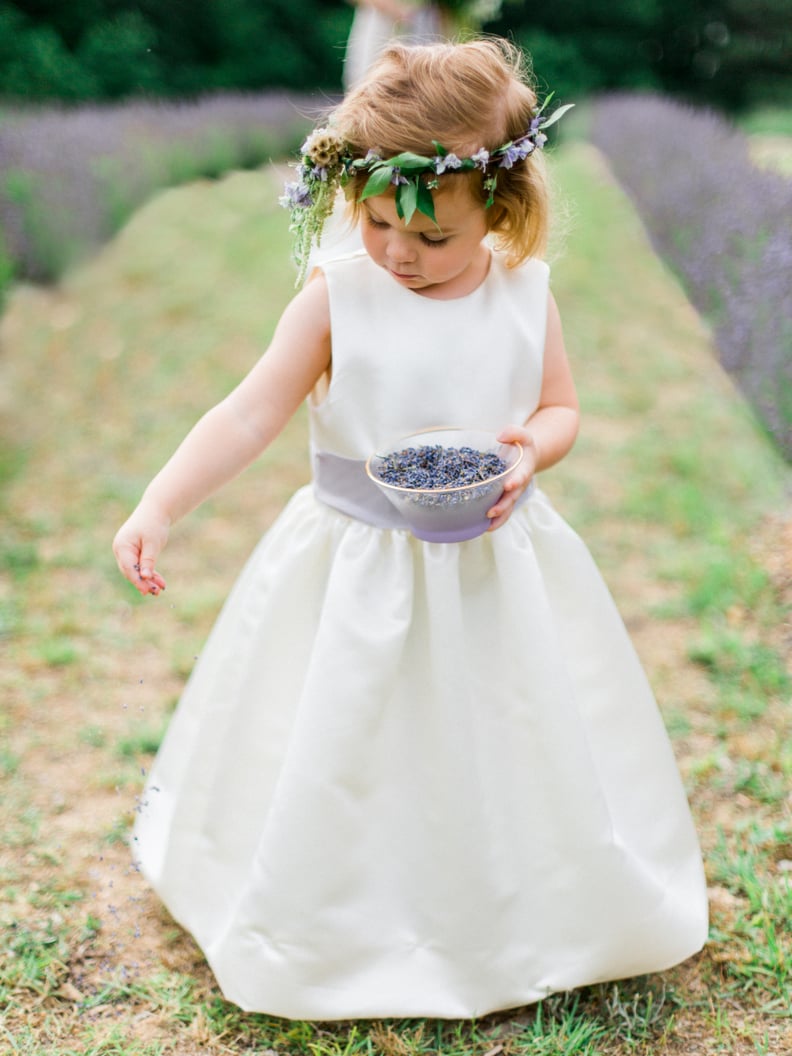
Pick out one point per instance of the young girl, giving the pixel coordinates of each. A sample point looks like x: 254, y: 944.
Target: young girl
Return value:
x: 411, y: 778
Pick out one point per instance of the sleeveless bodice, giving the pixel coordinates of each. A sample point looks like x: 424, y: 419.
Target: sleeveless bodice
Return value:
x: 403, y: 362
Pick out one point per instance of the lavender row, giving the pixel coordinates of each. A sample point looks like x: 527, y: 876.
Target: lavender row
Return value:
x: 70, y: 177
x: 723, y: 224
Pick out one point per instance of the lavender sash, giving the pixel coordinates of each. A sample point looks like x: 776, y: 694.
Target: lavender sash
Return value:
x: 344, y: 484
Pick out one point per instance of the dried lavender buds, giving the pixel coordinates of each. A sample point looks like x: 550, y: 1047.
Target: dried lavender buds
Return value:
x: 434, y: 467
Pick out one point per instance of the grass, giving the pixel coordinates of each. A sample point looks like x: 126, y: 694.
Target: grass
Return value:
x: 773, y: 151
x: 759, y: 933
x: 675, y: 488
x: 768, y: 120
x: 141, y: 740
x: 748, y: 674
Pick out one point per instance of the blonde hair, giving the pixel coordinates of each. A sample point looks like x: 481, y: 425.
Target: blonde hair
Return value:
x: 463, y: 96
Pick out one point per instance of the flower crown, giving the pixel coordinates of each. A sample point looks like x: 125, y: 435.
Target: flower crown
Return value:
x: 327, y: 164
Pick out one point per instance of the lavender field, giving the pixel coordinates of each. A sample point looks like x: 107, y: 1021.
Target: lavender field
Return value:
x: 69, y: 178
x: 724, y: 225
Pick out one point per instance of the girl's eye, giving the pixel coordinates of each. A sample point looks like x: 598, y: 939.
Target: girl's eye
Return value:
x: 375, y: 223
x: 433, y: 241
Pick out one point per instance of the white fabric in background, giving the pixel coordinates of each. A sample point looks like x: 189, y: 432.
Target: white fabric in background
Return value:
x: 372, y: 30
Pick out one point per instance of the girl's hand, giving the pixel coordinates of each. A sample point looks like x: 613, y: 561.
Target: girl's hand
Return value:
x: 137, y: 546
x: 517, y: 481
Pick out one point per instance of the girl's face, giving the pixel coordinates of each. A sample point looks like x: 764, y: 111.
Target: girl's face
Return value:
x: 444, y: 261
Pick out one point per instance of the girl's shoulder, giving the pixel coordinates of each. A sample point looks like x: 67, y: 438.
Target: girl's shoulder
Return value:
x: 355, y: 273
x: 531, y: 268
x: 530, y: 276
x: 356, y: 260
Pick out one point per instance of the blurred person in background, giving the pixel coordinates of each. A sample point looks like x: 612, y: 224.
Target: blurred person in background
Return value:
x: 376, y: 22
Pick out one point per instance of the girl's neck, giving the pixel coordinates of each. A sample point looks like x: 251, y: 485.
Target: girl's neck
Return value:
x: 466, y: 283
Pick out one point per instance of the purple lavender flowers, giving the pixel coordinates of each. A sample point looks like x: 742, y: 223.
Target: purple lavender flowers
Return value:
x: 434, y: 466
x: 724, y: 225
x: 70, y: 177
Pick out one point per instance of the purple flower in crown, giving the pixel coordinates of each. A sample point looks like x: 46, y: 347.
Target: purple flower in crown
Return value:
x: 397, y: 177
x: 512, y: 154
x: 442, y: 163
x: 481, y: 159
x: 296, y: 196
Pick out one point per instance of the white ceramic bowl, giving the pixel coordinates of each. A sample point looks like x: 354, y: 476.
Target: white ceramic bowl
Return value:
x: 447, y: 514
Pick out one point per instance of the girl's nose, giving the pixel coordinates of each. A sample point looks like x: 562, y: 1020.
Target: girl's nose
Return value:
x: 400, y: 247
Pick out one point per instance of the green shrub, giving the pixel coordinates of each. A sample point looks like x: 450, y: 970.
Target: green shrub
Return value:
x: 6, y: 271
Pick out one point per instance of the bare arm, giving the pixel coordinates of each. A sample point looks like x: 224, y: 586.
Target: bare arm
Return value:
x: 551, y: 430
x: 231, y: 435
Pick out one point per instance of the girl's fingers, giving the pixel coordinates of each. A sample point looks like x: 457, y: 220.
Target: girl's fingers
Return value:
x: 503, y: 506
x: 498, y: 520
x: 149, y: 579
x: 512, y: 434
x: 148, y: 556
x: 512, y: 490
x: 517, y: 481
x: 139, y: 570
x: 156, y: 583
x: 126, y: 557
x: 151, y: 583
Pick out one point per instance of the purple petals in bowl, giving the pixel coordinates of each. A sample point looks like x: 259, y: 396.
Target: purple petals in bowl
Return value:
x: 443, y: 481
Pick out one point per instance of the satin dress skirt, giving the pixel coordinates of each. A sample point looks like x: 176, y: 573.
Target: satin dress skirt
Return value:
x: 417, y: 779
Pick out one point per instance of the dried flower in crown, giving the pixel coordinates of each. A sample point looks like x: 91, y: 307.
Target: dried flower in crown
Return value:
x: 324, y: 148
x: 326, y: 164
